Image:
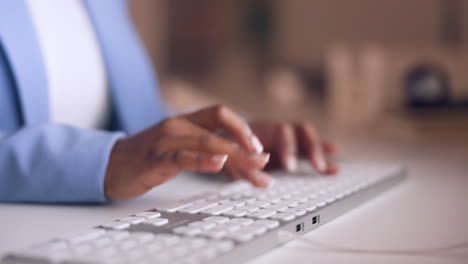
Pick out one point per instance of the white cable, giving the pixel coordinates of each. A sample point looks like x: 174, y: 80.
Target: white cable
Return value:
x: 443, y: 251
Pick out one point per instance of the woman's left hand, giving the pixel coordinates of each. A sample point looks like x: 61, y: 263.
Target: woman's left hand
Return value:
x: 286, y: 142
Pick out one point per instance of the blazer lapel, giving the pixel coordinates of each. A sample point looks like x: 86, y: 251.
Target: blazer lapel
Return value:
x: 134, y: 90
x: 19, y: 41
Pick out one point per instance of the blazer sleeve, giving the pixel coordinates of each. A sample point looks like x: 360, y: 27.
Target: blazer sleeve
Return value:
x: 54, y: 163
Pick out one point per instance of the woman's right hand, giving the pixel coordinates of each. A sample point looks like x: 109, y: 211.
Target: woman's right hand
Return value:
x: 183, y: 143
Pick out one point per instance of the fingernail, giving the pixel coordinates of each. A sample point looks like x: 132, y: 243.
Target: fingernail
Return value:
x: 256, y: 160
x: 256, y: 144
x: 291, y: 163
x: 263, y: 179
x: 219, y: 159
x: 271, y: 183
x: 321, y: 164
x: 265, y: 157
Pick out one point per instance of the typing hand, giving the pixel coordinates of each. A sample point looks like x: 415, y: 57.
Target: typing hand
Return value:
x: 184, y: 143
x: 287, y: 142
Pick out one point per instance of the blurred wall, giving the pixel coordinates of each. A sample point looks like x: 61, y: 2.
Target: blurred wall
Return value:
x: 150, y: 19
x: 306, y: 28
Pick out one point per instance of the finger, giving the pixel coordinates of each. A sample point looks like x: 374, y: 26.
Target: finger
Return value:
x: 330, y: 148
x: 220, y: 116
x: 287, y: 146
x: 186, y: 160
x: 332, y: 169
x: 211, y: 143
x: 311, y: 146
x: 257, y: 178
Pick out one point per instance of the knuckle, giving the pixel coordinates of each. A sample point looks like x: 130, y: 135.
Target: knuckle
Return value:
x: 284, y: 128
x: 309, y: 129
x: 205, y: 139
x: 160, y: 145
x: 177, y: 156
x: 221, y: 110
x: 169, y: 124
x: 304, y: 124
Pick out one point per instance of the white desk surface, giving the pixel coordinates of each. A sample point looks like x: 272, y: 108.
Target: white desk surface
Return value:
x: 430, y: 209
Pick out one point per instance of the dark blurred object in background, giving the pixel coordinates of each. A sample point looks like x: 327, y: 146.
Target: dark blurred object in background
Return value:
x: 427, y: 85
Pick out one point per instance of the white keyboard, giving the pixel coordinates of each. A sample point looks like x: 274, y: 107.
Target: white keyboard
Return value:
x: 230, y: 225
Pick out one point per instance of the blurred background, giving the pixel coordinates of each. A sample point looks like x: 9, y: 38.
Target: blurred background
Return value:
x: 393, y: 69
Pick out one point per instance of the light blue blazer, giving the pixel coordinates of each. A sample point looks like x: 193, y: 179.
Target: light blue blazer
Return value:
x: 45, y: 162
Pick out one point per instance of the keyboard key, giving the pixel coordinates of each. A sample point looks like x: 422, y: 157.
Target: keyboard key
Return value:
x: 167, y: 239
x: 330, y: 200
x: 216, y: 219
x: 221, y: 227
x: 262, y: 213
x: 83, y: 249
x: 272, y: 199
x: 208, y: 253
x: 233, y: 202
x: 270, y: 224
x: 194, y: 243
x: 142, y: 237
x: 188, y: 231
x: 287, y: 202
x: 235, y: 213
x: 306, y: 206
x: 136, y: 255
x: 157, y: 221
x: 102, y: 242
x: 240, y: 236
x: 127, y: 244
x: 219, y: 209
x: 237, y: 186
x: 283, y: 216
x: 215, y: 234
x: 299, y: 199
x: 259, y: 203
x: 116, y: 225
x: 253, y: 229
x: 179, y: 251
x: 154, y: 247
x: 172, y: 207
x: 321, y: 204
x: 224, y: 245
x: 196, y: 208
x: 196, y: 224
x: 107, y: 252
x: 229, y: 227
x: 149, y: 214
x: 246, y: 198
x: 241, y: 221
x: 205, y: 225
x: 117, y: 235
x: 133, y: 219
x: 86, y: 236
x: 294, y: 211
x: 276, y: 207
x: 248, y: 208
